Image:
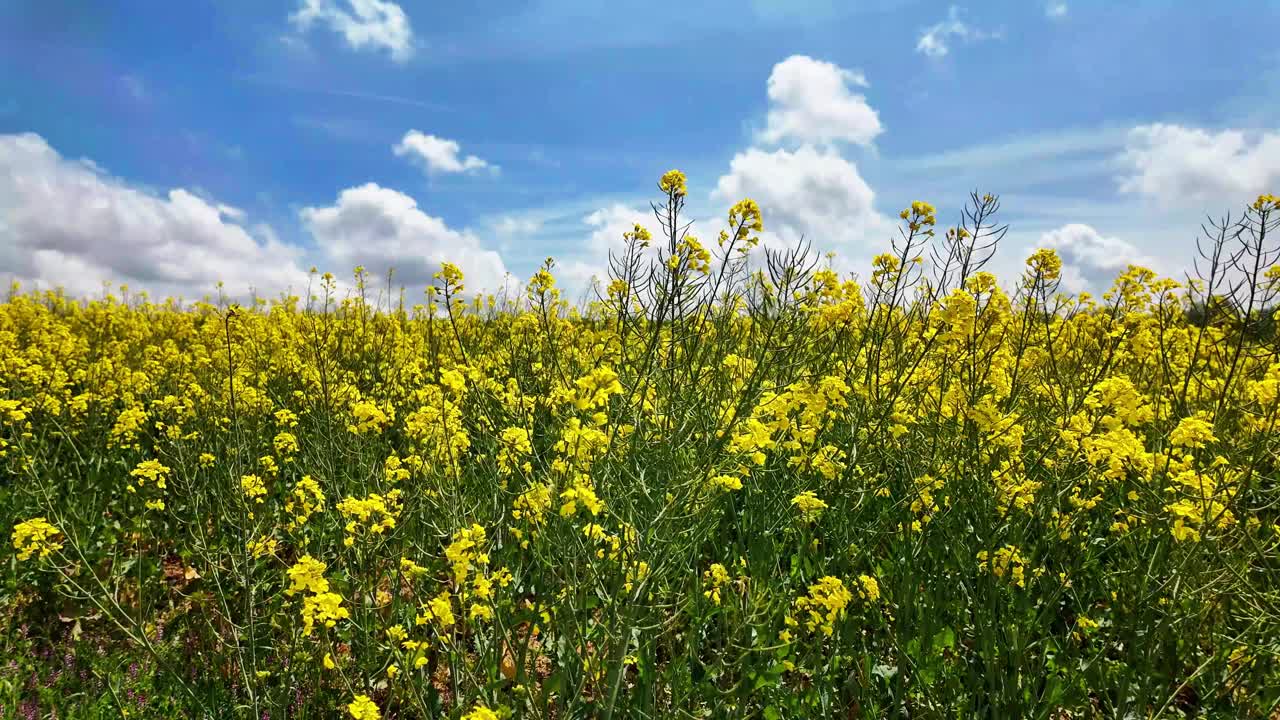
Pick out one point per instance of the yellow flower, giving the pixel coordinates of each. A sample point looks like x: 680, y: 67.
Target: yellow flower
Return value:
x: 744, y: 218
x: 368, y: 419
x: 396, y: 633
x: 253, y: 487
x: 1007, y: 562
x: 1045, y: 263
x: 451, y: 274
x: 870, y: 588
x: 919, y: 215
x: 583, y: 493
x: 439, y: 609
x: 286, y: 444
x: 480, y: 611
x: 35, y: 536
x: 325, y: 608
x: 639, y: 234
x: 411, y: 569
x: 514, y: 446
x: 466, y: 551
x: 262, y: 547
x: 306, y: 499
x: 592, y: 390
x: 480, y: 712
x: 715, y: 578
x: 362, y: 708
x: 150, y: 471
x: 128, y: 425
x: 809, y: 505
x: 673, y: 183
x: 825, y: 604
x: 307, y: 575
x: 727, y: 483
x: 1193, y: 432
x: 328, y: 662
x: 376, y: 513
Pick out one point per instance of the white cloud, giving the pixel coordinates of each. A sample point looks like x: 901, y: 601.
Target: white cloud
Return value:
x: 812, y: 193
x: 1055, y: 9
x: 67, y: 223
x: 935, y: 40
x: 607, y: 225
x: 232, y: 212
x: 581, y: 279
x: 1090, y: 260
x: 508, y: 226
x: 812, y: 101
x: 809, y: 191
x: 381, y: 228
x: 1178, y: 165
x: 374, y: 24
x: 437, y: 154
x: 604, y: 228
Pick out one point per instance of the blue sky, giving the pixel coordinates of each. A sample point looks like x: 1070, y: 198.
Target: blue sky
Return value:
x: 172, y: 145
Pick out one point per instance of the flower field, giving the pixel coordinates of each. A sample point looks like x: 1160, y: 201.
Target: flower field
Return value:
x: 735, y: 484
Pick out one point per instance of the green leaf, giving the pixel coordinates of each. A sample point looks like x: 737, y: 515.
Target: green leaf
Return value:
x: 945, y: 638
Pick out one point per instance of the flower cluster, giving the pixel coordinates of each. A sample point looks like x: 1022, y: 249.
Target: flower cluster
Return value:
x: 319, y: 605
x: 35, y: 537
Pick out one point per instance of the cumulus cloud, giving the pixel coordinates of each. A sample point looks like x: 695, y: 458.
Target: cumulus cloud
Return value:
x: 936, y: 40
x: 609, y: 223
x: 437, y: 154
x: 603, y: 228
x: 381, y: 229
x: 811, y: 193
x: 1181, y: 165
x: 1090, y: 260
x: 232, y: 212
x: 67, y: 223
x: 808, y: 192
x: 581, y: 279
x: 363, y: 24
x: 814, y: 101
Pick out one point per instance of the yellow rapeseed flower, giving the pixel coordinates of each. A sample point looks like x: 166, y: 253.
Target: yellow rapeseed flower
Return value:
x: 35, y: 536
x: 362, y: 708
x: 809, y: 505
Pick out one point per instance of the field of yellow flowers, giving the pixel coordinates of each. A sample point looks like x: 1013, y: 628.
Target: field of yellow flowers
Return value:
x: 736, y: 484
